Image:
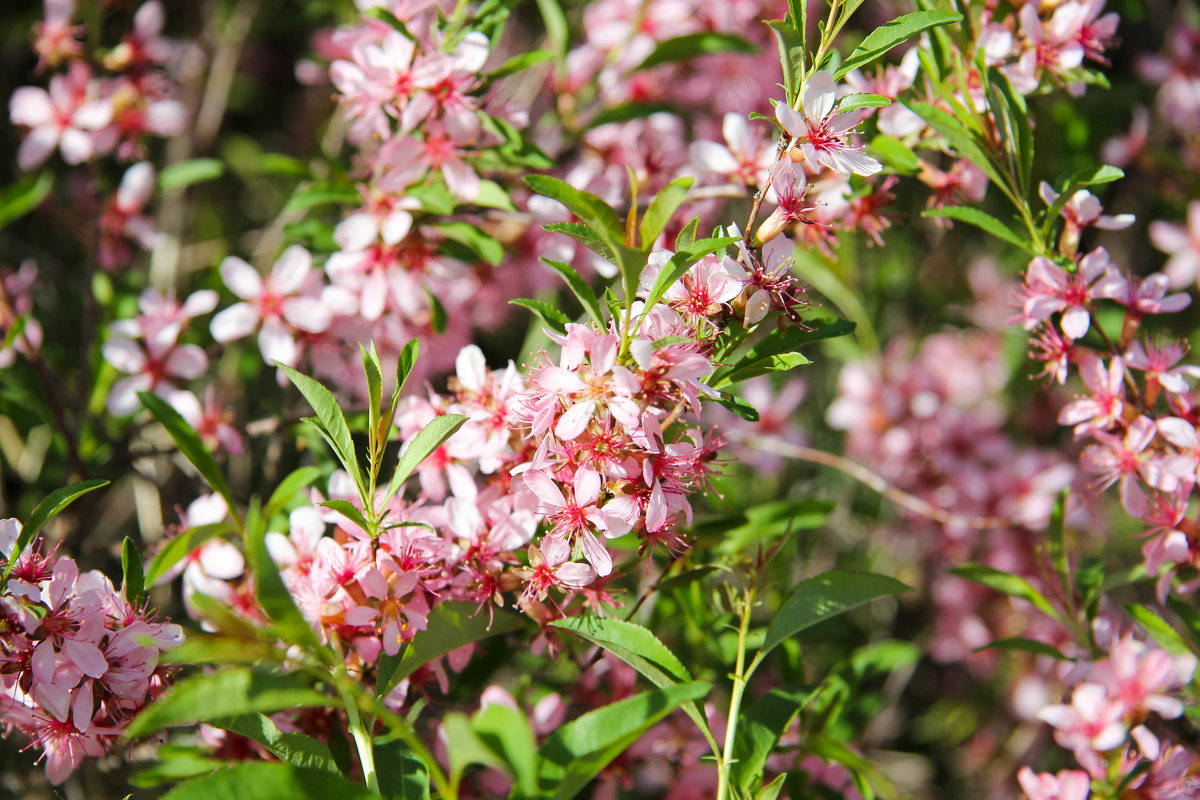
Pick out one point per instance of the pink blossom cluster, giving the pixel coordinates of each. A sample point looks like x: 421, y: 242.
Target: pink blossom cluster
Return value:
x: 78, y: 660
x: 83, y: 114
x: 1112, y: 702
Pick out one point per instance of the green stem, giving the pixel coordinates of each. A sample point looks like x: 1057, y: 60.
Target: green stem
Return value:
x: 741, y: 677
x: 362, y: 737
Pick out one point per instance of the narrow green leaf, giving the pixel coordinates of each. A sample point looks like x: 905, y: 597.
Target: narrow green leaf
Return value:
x: 332, y: 421
x: 350, y: 512
x: 791, y: 57
x: 402, y: 776
x: 737, y: 405
x: 585, y: 236
x: 982, y: 220
x: 768, y: 521
x: 858, y: 100
x: 629, y: 111
x: 688, y: 235
x: 694, y: 45
x: 887, y: 36
x: 761, y: 726
x: 293, y: 748
x: 519, y: 63
x: 383, y: 15
x: 579, y: 287
x: 464, y: 747
x: 186, y: 173
x: 492, y: 196
x: 662, y: 208
x: 189, y: 444
x: 507, y: 733
x: 24, y: 196
x: 178, y: 548
x: 477, y: 241
x: 1012, y: 585
x: 1153, y: 624
x: 272, y: 595
x: 207, y: 648
x: 1080, y: 180
x: 133, y: 572
x: 404, y: 365
x: 53, y: 503
x: 1056, y: 541
x: 588, y: 207
x: 824, y: 596
x: 450, y: 626
x: 322, y: 193
x: 438, y: 319
x: 226, y: 693
x: 577, y: 751
x: 548, y: 314
x: 895, y: 154
x: 1189, y: 615
x: 288, y: 488
x: 781, y: 342
x: 557, y: 31
x: 772, y: 789
x: 374, y: 375
x: 1019, y: 136
x: 258, y: 780
x: 957, y: 137
x: 1022, y: 645
x: 416, y: 450
x: 775, y: 363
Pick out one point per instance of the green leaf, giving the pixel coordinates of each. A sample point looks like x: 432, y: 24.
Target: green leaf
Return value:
x: 374, y: 376
x: 133, y: 572
x: 585, y: 236
x: 737, y: 405
x: 982, y: 220
x: 175, y: 763
x: 450, y: 626
x: 1080, y: 180
x: 189, y: 444
x: 480, y: 243
x: 782, y: 342
x: 824, y: 596
x: 438, y: 318
x: 24, y: 196
x: 1012, y: 585
x: 557, y: 31
x: 767, y: 521
x: 464, y: 747
x: 206, y: 648
x: 383, y: 15
x: 519, y: 63
x: 1189, y: 615
x: 226, y: 693
x: 774, y: 363
x: 694, y: 45
x: 577, y: 751
x: 51, y: 506
x: 402, y: 776
x: 772, y: 789
x: 322, y: 193
x: 272, y: 595
x: 887, y: 36
x: 404, y: 365
x: 579, y: 287
x: 331, y: 422
x: 1022, y: 645
x: 256, y: 780
x: 688, y: 235
x: 959, y: 138
x: 350, y: 512
x: 1017, y: 132
x: 492, y: 196
x: 761, y: 726
x: 662, y: 208
x: 791, y: 57
x: 288, y: 488
x: 434, y: 197
x: 508, y: 734
x: 185, y: 173
x: 857, y: 100
x: 178, y: 548
x: 427, y: 440
x: 895, y: 154
x: 1056, y: 542
x: 292, y: 748
x: 593, y: 211
x: 548, y: 314
x: 1158, y: 629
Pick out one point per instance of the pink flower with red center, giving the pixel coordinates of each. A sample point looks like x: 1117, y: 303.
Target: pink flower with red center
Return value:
x: 1158, y: 360
x: 549, y: 568
x: 576, y: 519
x: 823, y: 138
x: 1140, y: 677
x: 1049, y: 289
x: 64, y: 117
x: 444, y: 83
x: 1126, y: 459
x: 153, y: 365
x: 1182, y: 244
x: 284, y: 302
x: 123, y: 220
x: 1146, y: 295
x: 1054, y: 351
x: 55, y: 39
x: 1092, y: 724
x: 745, y: 156
x: 400, y: 611
x: 1103, y: 407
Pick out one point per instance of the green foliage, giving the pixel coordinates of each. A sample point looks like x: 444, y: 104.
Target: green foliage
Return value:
x: 46, y: 510
x: 824, y: 596
x: 24, y: 196
x: 693, y: 45
x: 887, y: 36
x: 264, y: 781
x: 186, y: 173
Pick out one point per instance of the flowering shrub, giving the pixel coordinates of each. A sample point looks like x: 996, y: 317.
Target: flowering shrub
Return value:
x: 536, y: 426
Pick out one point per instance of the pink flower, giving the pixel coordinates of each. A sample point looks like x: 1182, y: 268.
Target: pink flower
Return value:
x: 823, y: 138
x: 1104, y: 406
x: 1068, y: 784
x: 1090, y: 725
x: 60, y: 118
x: 1049, y: 289
x: 1182, y: 243
x: 1125, y: 460
x: 282, y: 303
